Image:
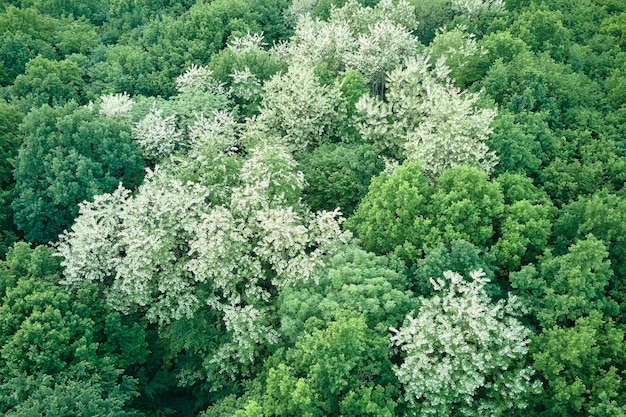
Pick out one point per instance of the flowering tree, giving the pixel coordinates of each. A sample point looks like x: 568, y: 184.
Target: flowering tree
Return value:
x: 299, y: 109
x: 425, y: 117
x: 463, y: 353
x: 372, y: 41
x: 174, y: 248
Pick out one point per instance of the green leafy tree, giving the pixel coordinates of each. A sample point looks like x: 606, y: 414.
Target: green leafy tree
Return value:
x: 339, y: 175
x: 48, y: 82
x: 537, y: 83
x: 602, y: 215
x: 340, y: 369
x: 10, y: 119
x: 69, y: 154
x: 578, y: 349
x: 402, y: 213
x: 393, y: 217
x: 60, y: 355
x: 353, y: 281
x: 543, y: 31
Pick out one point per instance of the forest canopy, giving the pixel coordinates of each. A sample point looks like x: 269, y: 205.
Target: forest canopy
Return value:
x: 312, y: 208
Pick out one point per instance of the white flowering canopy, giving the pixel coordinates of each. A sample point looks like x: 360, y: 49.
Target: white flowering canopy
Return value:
x: 116, y: 106
x: 425, y: 117
x: 463, y: 354
x: 173, y: 246
x: 372, y: 41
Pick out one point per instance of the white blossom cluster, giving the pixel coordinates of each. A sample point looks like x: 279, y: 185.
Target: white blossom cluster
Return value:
x: 166, y: 250
x: 463, y: 354
x: 426, y: 117
x: 157, y: 136
x: 116, y: 106
x: 370, y: 40
x: 248, y: 42
x: 197, y: 78
x: 298, y: 109
x: 475, y: 8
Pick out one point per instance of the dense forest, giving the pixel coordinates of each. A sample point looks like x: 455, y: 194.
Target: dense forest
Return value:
x: 261, y: 208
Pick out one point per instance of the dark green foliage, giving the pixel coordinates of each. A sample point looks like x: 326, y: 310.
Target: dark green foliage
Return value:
x: 338, y: 175
x: 46, y: 82
x: 604, y: 216
x: 148, y: 62
x: 355, y: 281
x: 26, y: 34
x: 10, y: 119
x: 459, y: 256
x: 543, y: 31
x: 57, y: 358
x: 522, y: 141
x: 69, y: 155
x: 431, y: 15
x: 563, y: 288
x: 537, y: 83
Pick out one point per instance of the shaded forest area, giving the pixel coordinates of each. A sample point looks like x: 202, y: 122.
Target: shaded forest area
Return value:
x: 261, y: 208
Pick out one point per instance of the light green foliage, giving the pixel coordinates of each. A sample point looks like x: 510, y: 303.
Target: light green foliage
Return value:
x: 403, y: 213
x: 392, y: 217
x: 341, y: 368
x: 524, y: 233
x: 578, y: 350
x: 465, y: 206
x: 463, y: 354
x: 339, y: 175
x: 426, y: 118
x: 69, y: 155
x: 340, y: 362
x: 60, y: 355
x: 298, y: 109
x: 580, y: 364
